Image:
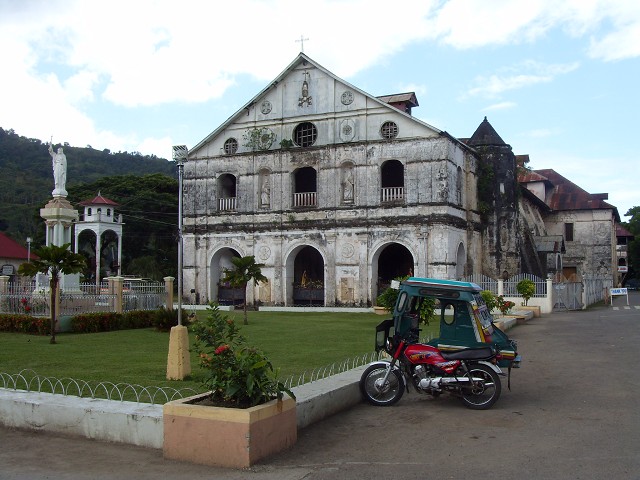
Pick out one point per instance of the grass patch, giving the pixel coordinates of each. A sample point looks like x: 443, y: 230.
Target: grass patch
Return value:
x: 294, y: 342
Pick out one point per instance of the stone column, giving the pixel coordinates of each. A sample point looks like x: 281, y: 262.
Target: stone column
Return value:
x: 168, y: 288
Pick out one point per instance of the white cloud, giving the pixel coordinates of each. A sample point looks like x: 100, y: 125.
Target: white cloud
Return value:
x: 64, y: 55
x: 500, y: 106
x: 518, y: 76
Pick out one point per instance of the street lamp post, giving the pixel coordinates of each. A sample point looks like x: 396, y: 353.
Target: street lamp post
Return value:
x: 28, y: 249
x: 178, y: 361
x: 180, y: 153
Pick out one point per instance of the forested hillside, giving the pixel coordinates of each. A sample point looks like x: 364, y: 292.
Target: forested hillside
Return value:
x: 26, y: 178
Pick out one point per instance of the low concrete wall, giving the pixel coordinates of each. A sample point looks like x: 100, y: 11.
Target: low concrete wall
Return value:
x: 323, y: 398
x: 113, y: 421
x: 142, y: 424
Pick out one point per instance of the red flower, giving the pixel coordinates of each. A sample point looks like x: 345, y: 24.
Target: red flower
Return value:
x: 221, y: 348
x: 27, y: 308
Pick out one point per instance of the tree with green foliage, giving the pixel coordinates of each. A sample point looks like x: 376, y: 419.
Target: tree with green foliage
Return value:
x: 53, y: 260
x: 245, y: 269
x: 149, y: 208
x: 633, y: 248
x: 527, y: 289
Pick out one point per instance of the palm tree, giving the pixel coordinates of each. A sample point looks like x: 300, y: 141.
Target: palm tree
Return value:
x: 54, y: 260
x: 244, y: 270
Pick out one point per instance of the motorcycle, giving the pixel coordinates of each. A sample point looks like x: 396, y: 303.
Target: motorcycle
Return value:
x: 472, y: 374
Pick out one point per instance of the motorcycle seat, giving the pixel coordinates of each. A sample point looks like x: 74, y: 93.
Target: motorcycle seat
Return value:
x: 481, y: 353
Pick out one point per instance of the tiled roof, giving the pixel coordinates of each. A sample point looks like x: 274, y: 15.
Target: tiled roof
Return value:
x: 9, y: 248
x: 409, y: 97
x: 528, y: 176
x: 623, y: 232
x: 566, y: 195
x: 99, y: 200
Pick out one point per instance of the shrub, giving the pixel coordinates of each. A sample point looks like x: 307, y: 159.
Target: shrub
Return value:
x: 504, y: 305
x: 388, y: 298
x: 165, y: 318
x: 238, y: 375
x: 490, y: 299
x: 527, y: 289
x: 22, y: 323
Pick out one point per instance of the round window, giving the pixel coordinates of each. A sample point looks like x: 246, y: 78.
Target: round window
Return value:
x: 230, y: 146
x: 305, y: 134
x: 389, y: 130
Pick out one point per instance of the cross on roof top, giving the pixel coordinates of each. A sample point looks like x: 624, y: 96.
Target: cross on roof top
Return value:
x: 301, y: 41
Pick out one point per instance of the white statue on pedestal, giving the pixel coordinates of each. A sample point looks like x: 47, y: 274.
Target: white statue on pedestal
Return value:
x: 59, y: 161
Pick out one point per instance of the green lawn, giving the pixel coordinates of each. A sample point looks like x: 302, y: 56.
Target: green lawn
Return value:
x: 294, y: 342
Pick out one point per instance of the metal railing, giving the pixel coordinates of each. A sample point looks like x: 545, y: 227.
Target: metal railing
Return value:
x: 30, y: 381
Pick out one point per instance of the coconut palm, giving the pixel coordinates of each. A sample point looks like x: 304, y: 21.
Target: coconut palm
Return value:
x: 53, y: 260
x: 244, y: 270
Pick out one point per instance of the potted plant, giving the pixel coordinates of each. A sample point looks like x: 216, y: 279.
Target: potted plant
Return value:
x: 246, y: 415
x: 527, y: 289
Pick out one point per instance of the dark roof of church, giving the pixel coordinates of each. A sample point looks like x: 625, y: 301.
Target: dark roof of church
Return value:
x: 409, y: 97
x: 99, y: 200
x: 527, y: 176
x: 623, y: 232
x: 485, y: 135
x: 566, y: 195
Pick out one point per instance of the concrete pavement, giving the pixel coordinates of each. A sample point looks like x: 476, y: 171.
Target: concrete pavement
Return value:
x: 572, y: 413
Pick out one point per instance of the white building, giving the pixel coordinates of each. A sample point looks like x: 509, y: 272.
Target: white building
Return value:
x: 328, y: 187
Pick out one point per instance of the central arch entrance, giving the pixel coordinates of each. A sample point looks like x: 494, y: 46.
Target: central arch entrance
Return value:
x: 306, y: 267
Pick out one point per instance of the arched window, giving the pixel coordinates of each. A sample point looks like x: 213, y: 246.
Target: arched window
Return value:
x: 392, y: 181
x: 89, y: 211
x: 226, y: 192
x: 305, y: 187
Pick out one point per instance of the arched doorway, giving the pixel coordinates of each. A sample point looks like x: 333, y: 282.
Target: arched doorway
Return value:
x: 222, y: 292
x: 393, y: 260
x: 460, y: 262
x: 305, y: 267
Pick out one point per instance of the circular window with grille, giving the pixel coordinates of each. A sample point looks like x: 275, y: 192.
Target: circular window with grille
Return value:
x: 305, y: 134
x: 389, y: 130
x: 230, y: 146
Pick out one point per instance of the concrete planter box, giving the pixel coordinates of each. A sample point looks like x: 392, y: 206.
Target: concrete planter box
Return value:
x: 227, y: 437
x: 531, y: 308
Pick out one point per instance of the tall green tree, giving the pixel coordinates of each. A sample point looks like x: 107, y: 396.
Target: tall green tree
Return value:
x: 53, y: 260
x: 245, y: 269
x: 633, y: 249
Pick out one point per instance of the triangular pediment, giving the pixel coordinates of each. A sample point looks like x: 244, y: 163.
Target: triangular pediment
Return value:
x: 307, y: 92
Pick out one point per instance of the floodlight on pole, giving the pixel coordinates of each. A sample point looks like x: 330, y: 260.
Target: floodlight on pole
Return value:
x: 180, y: 153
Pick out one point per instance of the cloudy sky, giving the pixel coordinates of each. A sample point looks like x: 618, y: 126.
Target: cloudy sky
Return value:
x: 558, y: 80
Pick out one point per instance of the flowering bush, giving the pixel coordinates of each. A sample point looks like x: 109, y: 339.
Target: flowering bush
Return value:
x: 504, y: 305
x: 237, y: 374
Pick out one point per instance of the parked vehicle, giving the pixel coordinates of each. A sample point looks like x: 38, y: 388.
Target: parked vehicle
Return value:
x: 464, y: 360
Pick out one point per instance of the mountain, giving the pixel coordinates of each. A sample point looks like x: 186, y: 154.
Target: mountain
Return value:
x: 26, y: 177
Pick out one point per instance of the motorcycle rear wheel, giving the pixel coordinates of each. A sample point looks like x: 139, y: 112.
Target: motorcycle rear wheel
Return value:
x: 374, y: 392
x: 481, y: 395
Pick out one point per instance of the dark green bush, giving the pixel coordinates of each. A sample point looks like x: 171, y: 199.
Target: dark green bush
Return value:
x: 25, y: 324
x: 165, y: 319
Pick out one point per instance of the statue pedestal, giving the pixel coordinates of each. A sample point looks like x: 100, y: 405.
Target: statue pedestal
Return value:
x: 59, y: 216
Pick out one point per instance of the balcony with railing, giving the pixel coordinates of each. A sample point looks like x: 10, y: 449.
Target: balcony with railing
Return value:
x: 305, y: 199
x: 227, y: 204
x: 392, y: 194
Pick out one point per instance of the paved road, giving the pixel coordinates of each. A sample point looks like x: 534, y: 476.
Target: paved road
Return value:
x: 572, y: 413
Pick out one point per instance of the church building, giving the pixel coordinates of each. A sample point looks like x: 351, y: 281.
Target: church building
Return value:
x: 336, y: 192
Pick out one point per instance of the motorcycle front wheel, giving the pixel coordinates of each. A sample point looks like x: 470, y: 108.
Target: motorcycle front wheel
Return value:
x: 483, y: 390
x: 378, y: 393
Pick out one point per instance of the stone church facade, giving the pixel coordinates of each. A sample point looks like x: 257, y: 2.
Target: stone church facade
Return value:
x: 336, y: 192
